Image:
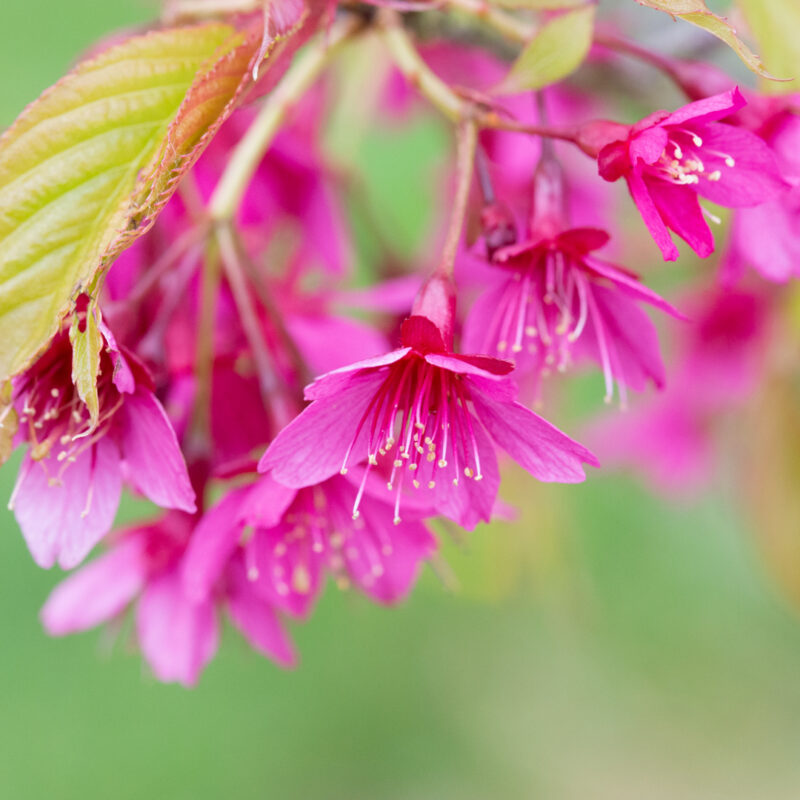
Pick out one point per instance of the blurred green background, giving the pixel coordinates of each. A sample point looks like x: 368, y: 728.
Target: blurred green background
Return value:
x: 608, y: 646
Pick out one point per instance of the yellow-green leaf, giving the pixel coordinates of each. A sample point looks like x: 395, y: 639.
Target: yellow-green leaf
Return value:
x: 87, y: 342
x: 9, y: 422
x: 86, y: 167
x: 697, y: 13
x: 776, y: 27
x: 557, y: 50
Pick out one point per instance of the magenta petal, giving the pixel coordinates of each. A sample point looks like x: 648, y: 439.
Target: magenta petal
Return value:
x: 663, y: 442
x: 651, y: 216
x: 284, y: 571
x: 265, y: 503
x: 213, y: 542
x: 313, y: 446
x: 258, y: 621
x: 630, y: 286
x: 535, y: 444
x: 387, y: 568
x: 123, y: 375
x: 648, y: 145
x: 65, y: 521
x: 333, y: 382
x: 631, y: 339
x: 708, y: 109
x: 463, y: 499
x: 152, y: 455
x: 766, y: 238
x: 754, y: 178
x: 680, y: 210
x: 482, y: 366
x: 481, y: 329
x: 393, y: 296
x: 97, y: 592
x: 178, y: 637
x: 582, y: 240
x: 327, y: 343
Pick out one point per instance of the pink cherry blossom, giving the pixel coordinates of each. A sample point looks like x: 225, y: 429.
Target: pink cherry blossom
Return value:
x: 549, y: 300
x: 670, y: 439
x: 178, y: 634
x: 428, y: 418
x: 70, y: 481
x: 766, y: 237
x: 668, y: 159
x: 287, y: 539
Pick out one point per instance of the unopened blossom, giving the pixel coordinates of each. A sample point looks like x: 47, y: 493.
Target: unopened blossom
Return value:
x: 288, y: 539
x: 548, y: 301
x: 669, y: 159
x: 425, y: 418
x: 69, y: 484
x: 178, y: 634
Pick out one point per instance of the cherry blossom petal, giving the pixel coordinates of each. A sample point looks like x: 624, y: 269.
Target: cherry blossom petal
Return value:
x: 640, y: 192
x: 535, y: 444
x: 313, y: 446
x: 392, y: 577
x: 754, y: 177
x: 334, y: 381
x: 482, y: 366
x: 213, y: 542
x: 178, y: 637
x: 62, y: 522
x: 97, y: 592
x: 153, y: 458
x: 631, y: 286
x: 258, y: 621
x: 708, y: 109
x: 680, y: 210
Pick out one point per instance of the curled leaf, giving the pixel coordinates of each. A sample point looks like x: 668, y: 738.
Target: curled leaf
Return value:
x: 87, y: 342
x: 697, y: 13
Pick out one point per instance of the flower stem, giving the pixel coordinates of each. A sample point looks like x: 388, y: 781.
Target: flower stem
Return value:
x: 664, y: 64
x: 508, y: 25
x: 199, y: 445
x: 416, y: 71
x: 467, y: 145
x: 440, y: 95
x: 248, y: 153
x: 237, y: 280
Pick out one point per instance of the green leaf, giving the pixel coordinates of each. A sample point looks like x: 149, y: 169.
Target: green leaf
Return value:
x: 86, y: 168
x: 776, y: 27
x: 557, y: 50
x: 697, y: 13
x: 87, y: 342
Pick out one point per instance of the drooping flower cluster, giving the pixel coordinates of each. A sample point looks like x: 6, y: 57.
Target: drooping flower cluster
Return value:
x: 299, y: 400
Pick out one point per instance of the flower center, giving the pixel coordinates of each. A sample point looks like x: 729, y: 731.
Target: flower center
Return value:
x: 543, y: 310
x: 419, y: 418
x: 682, y: 161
